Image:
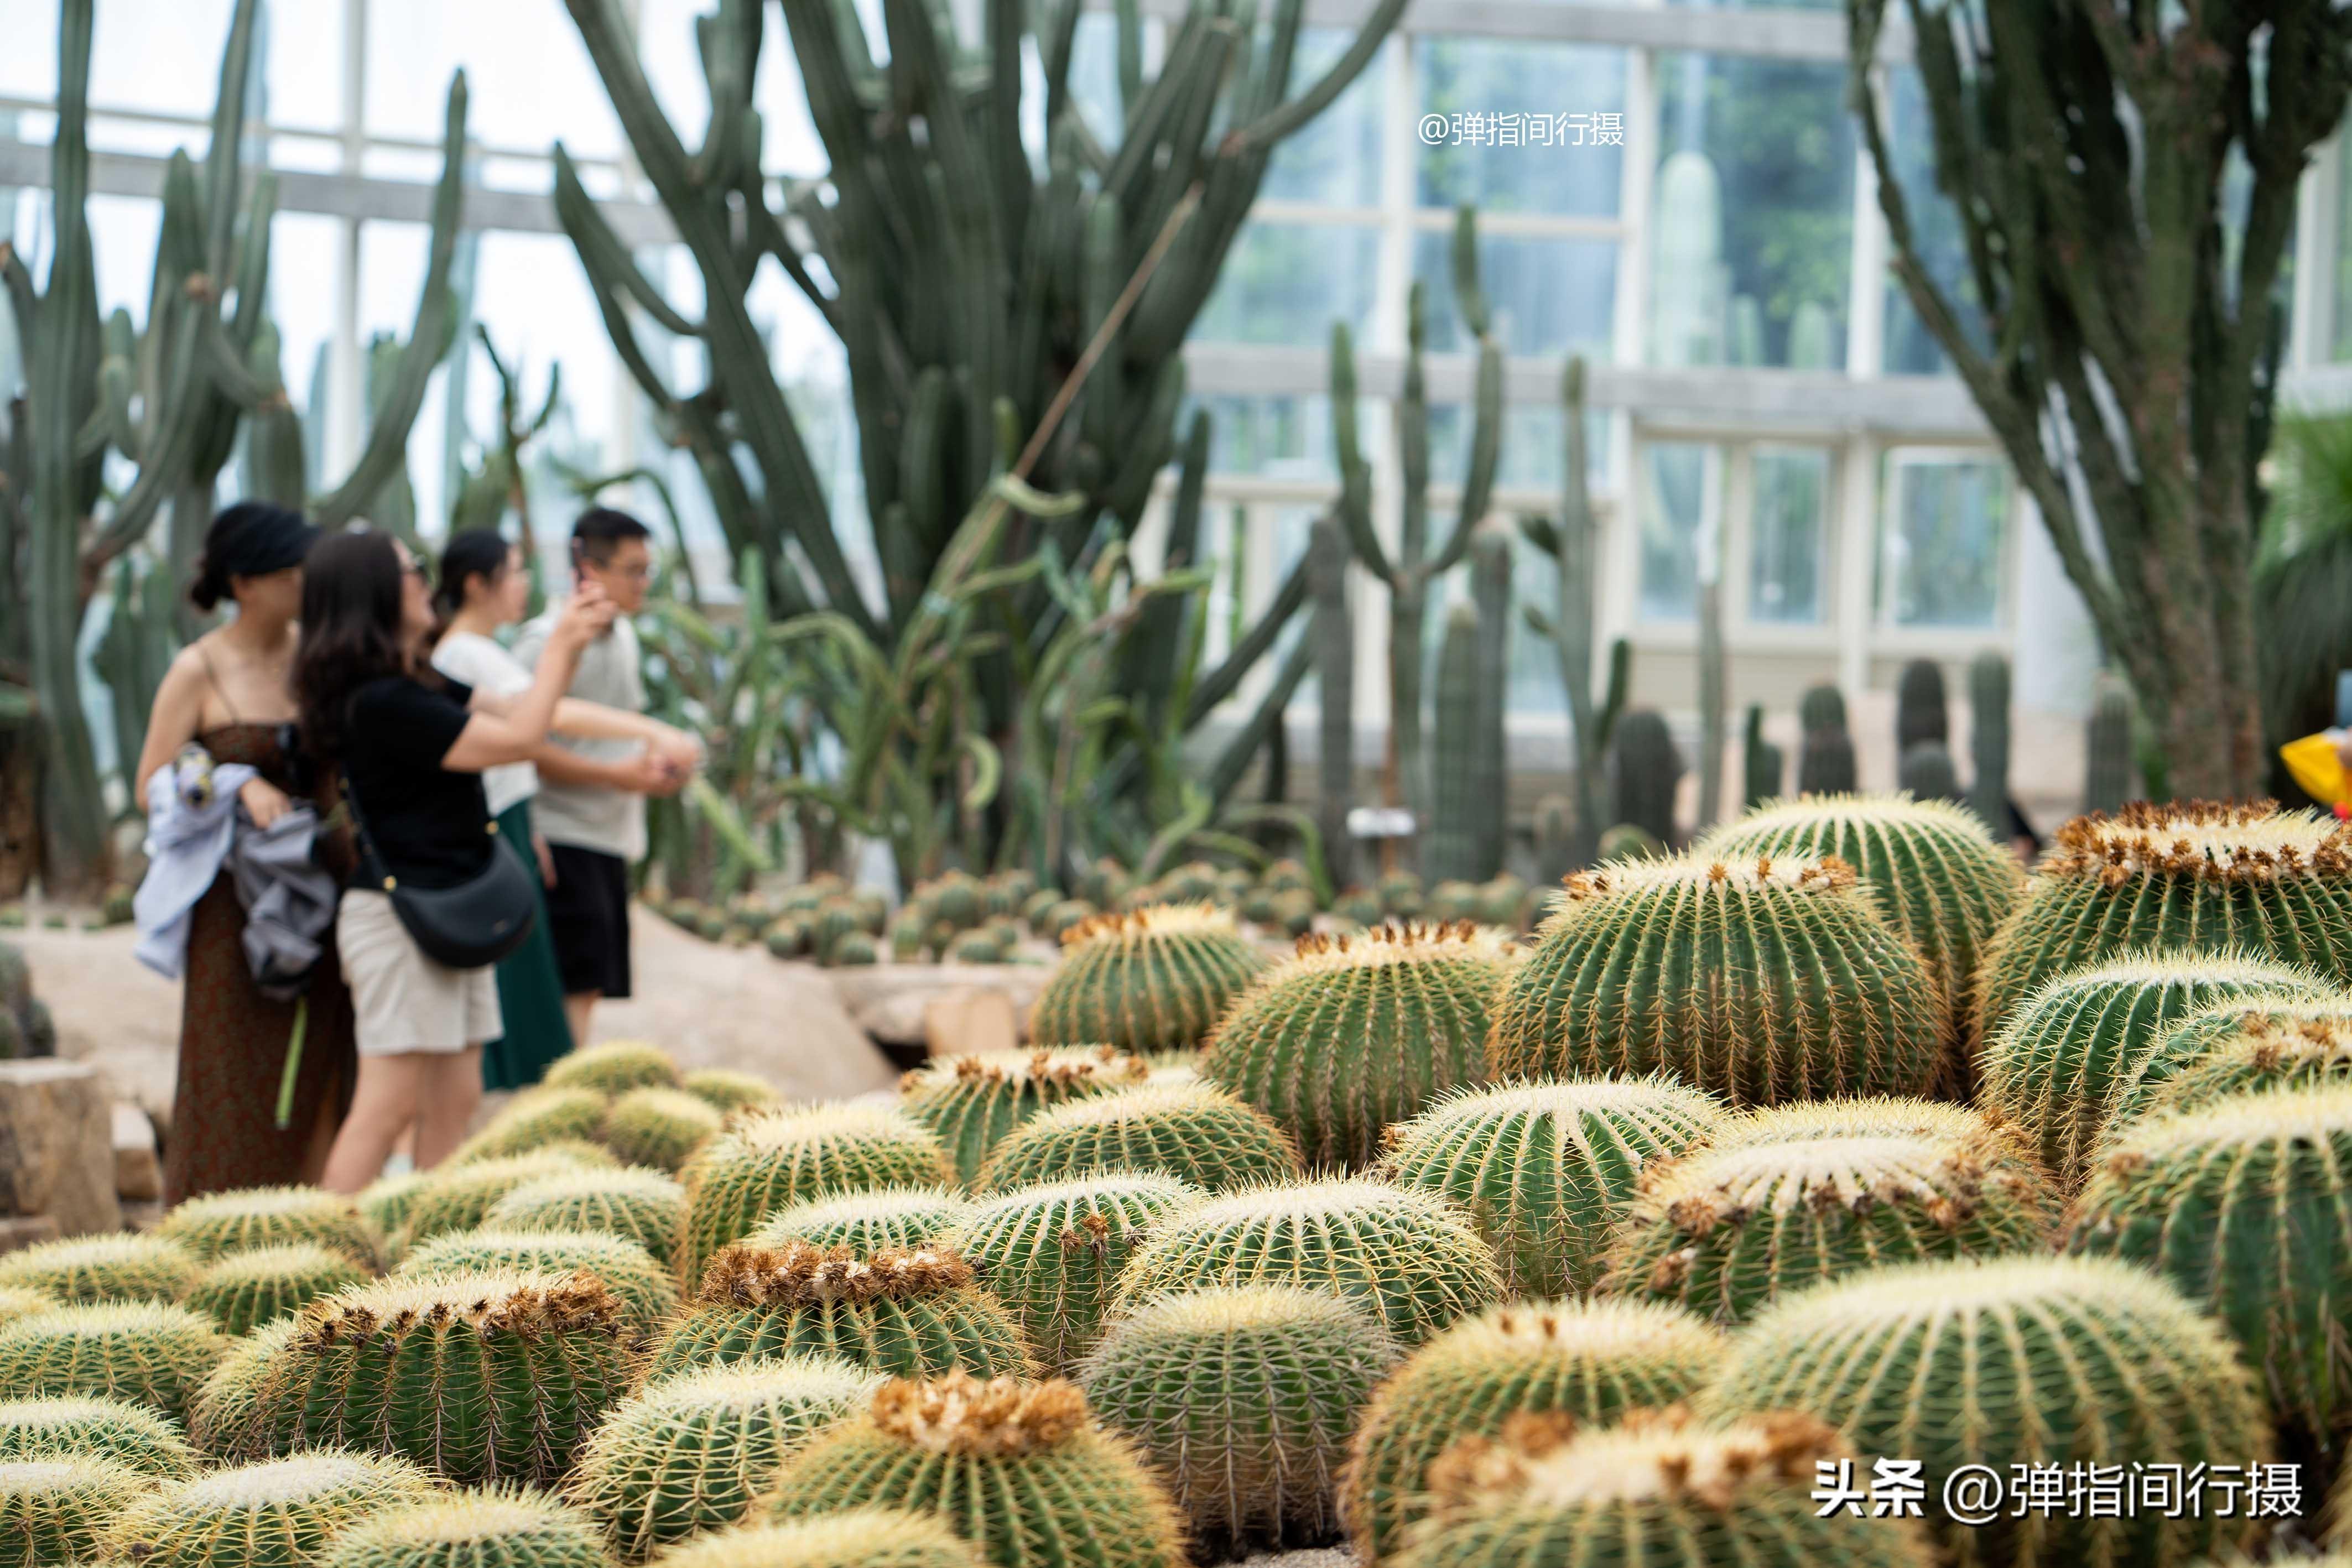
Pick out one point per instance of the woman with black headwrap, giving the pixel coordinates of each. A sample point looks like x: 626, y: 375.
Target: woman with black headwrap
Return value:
x: 228, y: 693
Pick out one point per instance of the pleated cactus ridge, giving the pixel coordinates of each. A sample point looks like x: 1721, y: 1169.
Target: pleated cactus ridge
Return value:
x: 534, y: 1119
x: 1763, y: 980
x: 1354, y: 1033
x: 455, y: 1197
x: 658, y: 1128
x: 279, y: 1513
x: 112, y: 1430
x: 614, y: 1067
x: 56, y: 1509
x: 1661, y: 1490
x: 726, y: 1091
x: 479, y: 1377
x: 1020, y: 1469
x: 1596, y: 1360
x: 141, y: 1351
x: 1726, y: 1230
x: 1194, y: 1132
x: 868, y: 1537
x: 84, y: 1271
x: 1937, y: 876
x: 2265, y: 1042
x: 867, y: 1222
x: 2052, y: 1067
x: 2245, y: 1205
x: 224, y: 1404
x: 691, y: 1452
x: 768, y: 1159
x: 1243, y: 1399
x: 2015, y: 1361
x: 218, y: 1223
x: 2191, y: 874
x: 640, y: 1206
x: 1545, y: 1169
x: 971, y: 1101
x: 646, y: 1291
x: 1148, y: 979
x: 906, y: 1312
x: 245, y: 1290
x: 482, y: 1527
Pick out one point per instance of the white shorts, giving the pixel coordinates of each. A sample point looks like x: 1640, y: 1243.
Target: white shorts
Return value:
x: 405, y: 1001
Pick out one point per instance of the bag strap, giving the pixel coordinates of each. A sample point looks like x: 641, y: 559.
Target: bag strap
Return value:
x: 379, y: 873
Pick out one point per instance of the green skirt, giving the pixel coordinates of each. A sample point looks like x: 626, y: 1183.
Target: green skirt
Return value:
x: 531, y: 991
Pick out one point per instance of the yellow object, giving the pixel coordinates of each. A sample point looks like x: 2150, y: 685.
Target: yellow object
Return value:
x: 2318, y: 767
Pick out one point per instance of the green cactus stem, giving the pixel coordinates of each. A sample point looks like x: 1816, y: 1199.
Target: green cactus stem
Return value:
x: 2111, y: 766
x: 640, y: 1206
x: 1761, y: 763
x: 454, y: 1197
x: 82, y: 1270
x: 1157, y: 978
x: 139, y: 1351
x: 534, y: 1119
x: 218, y: 1223
x: 1927, y: 773
x: 643, y: 1288
x: 2268, y: 1041
x: 56, y: 1509
x: 109, y: 1430
x: 658, y: 1128
x: 970, y: 1101
x: 488, y: 1527
x: 1920, y: 717
x: 1645, y: 769
x: 876, y: 1220
x: 246, y: 1290
x: 728, y: 1092
x: 614, y: 1067
x: 1989, y: 742
x: 1194, y: 1132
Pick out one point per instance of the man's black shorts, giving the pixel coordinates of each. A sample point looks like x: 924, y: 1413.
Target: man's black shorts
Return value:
x: 588, y: 916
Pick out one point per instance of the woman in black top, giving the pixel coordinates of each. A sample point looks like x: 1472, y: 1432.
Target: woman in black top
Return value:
x: 411, y: 746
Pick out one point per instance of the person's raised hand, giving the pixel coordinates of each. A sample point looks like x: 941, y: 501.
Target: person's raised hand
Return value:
x: 681, y: 752
x: 646, y: 774
x: 586, y: 616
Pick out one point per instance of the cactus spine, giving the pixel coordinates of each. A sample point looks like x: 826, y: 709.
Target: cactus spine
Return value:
x: 2265, y: 1042
x: 614, y: 1067
x: 658, y: 1128
x: 83, y: 1270
x: 1989, y: 742
x: 280, y: 1514
x: 223, y: 1222
x: 771, y: 1158
x: 1784, y: 982
x: 2111, y: 772
x: 109, y: 1430
x: 139, y: 1351
x: 1145, y: 981
x: 639, y: 1206
x: 1645, y: 771
x: 246, y: 1290
x: 1546, y: 1169
x: 971, y: 1101
x: 643, y: 1287
x: 1595, y: 1360
x: 55, y: 1509
x: 1761, y: 764
x: 1194, y: 1132
x: 493, y: 1526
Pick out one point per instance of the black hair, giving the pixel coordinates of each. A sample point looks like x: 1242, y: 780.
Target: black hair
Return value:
x: 600, y: 528
x: 351, y: 632
x: 251, y: 538
x: 476, y: 552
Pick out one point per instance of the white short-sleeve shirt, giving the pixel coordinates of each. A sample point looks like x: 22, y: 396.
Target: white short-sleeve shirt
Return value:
x: 474, y: 659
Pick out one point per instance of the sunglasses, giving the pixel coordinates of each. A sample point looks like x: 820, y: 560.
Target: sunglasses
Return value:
x: 420, y: 570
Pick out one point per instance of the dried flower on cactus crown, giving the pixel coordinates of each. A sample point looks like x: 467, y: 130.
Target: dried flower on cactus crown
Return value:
x: 1061, y: 1068
x: 1409, y: 942
x: 994, y: 1417
x: 2245, y: 840
x: 1711, y: 873
x: 1544, y: 1460
x: 488, y: 1303
x: 2274, y: 1037
x: 1151, y: 920
x: 797, y: 1274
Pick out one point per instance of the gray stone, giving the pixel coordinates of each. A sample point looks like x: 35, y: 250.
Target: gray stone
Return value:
x: 18, y: 1231
x: 892, y: 1001
x: 56, y: 1146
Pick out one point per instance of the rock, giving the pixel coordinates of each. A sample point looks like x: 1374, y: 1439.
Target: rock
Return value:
x: 56, y: 1146
x: 892, y: 1001
x: 143, y: 1215
x: 138, y: 1174
x: 22, y: 1230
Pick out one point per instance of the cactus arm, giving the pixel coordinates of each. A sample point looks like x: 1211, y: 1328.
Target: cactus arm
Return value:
x: 1355, y: 475
x: 1413, y: 441
x: 1273, y: 126
x: 223, y: 176
x: 1332, y: 631
x: 728, y: 45
x: 1131, y: 59
x: 1491, y: 566
x: 1469, y: 292
x: 604, y: 256
x: 1008, y: 158
x: 1222, y: 682
x: 1538, y: 531
x: 1147, y: 125
x: 1486, y: 456
x: 1225, y: 773
x: 1195, y: 107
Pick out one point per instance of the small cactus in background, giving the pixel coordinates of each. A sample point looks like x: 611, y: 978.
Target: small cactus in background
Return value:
x: 2014, y: 1361
x: 55, y: 1509
x: 771, y: 1158
x: 691, y: 1452
x: 2271, y: 1040
x: 643, y: 1287
x: 1545, y: 1169
x: 1825, y: 762
x: 639, y: 1206
x: 1823, y: 998
x: 905, y: 1312
x: 2049, y: 1070
x: 112, y: 1430
x: 1626, y: 841
x: 658, y: 1128
x: 139, y: 1351
x: 534, y: 1119
x: 1194, y: 1132
x: 1065, y: 917
x: 1595, y: 1360
x: 964, y: 1449
x: 615, y: 1067
x: 492, y: 1527
x: 856, y: 950
x: 1926, y: 772
x: 1053, y: 1253
x: 1555, y: 826
x: 1469, y: 780
x: 246, y: 1290
x: 1645, y: 771
x: 222, y: 1222
x: 1920, y: 717
x: 279, y: 1514
x: 882, y: 1220
x: 82, y: 1270
x: 2243, y: 1205
x: 1353, y: 1034
x: 1726, y: 1231
x: 1243, y: 1399
x: 2187, y: 875
x: 2111, y: 769
x: 1989, y: 742
x: 1406, y: 1256
x: 1502, y: 902
x: 1663, y: 1490
x: 971, y: 1101
x: 728, y: 1092
x: 1761, y: 764
x: 1157, y: 978
x: 1821, y: 708
x: 458, y: 1197
x: 866, y: 1537
x: 478, y: 1377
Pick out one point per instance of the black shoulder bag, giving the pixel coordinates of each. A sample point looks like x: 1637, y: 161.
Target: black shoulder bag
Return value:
x: 469, y: 926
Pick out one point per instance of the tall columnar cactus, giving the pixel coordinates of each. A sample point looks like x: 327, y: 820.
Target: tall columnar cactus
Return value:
x: 488, y: 1527
x: 1783, y: 982
x: 56, y: 1509
x: 1989, y: 741
x: 971, y: 1101
x: 771, y: 1158
x: 139, y: 1351
x: 642, y: 1207
x: 869, y: 1537
x: 82, y: 1270
x: 1919, y: 708
x: 218, y: 1223
x: 1825, y: 762
x: 112, y: 1430
x: 1354, y: 1033
x: 2187, y: 874
x: 534, y: 1119
x: 279, y: 1514
x: 1663, y: 1490
x: 1462, y: 788
x: 728, y: 1092
x: 614, y: 1067
x: 1595, y: 1360
x: 2269, y: 1040
x: 1407, y: 1256
x: 1243, y: 1399
x: 454, y: 1197
x: 1926, y: 772
x: 1492, y: 567
x: 1725, y: 1231
x: 880, y: 1220
x: 1821, y: 708
x: 1937, y: 875
x: 1645, y: 769
x: 645, y: 1289
x: 1194, y: 1132
x: 2015, y: 1361
x: 1020, y: 1469
x: 658, y: 1128
x: 2243, y: 1204
x: 478, y: 1377
x: 2111, y: 766
x: 1144, y: 981
x: 1333, y: 628
x: 246, y: 1290
x: 1761, y: 764
x: 2066, y: 1047
x: 1546, y: 1169
x: 691, y: 1452
x: 905, y: 1312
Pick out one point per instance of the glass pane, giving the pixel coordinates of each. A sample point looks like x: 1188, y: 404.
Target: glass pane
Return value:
x: 164, y: 60
x: 1784, y: 538
x: 1287, y: 283
x: 28, y: 65
x: 1942, y: 561
x: 1336, y: 157
x: 2341, y: 349
x: 1754, y: 229
x: 1911, y: 348
x: 304, y: 248
x: 1548, y: 296
x: 1521, y: 127
x: 1534, y: 455
x: 1280, y: 435
x: 528, y: 76
x: 1671, y: 509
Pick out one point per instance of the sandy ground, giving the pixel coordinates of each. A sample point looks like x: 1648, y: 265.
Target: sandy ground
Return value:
x: 708, y: 1005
